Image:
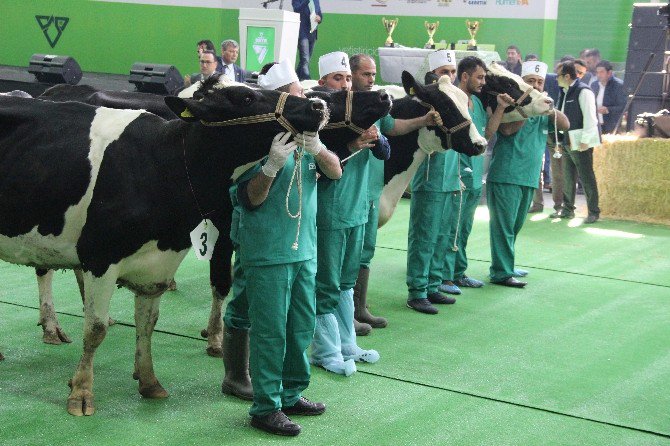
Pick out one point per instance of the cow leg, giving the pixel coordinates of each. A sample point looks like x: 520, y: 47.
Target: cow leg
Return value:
x: 146, y: 316
x: 214, y: 330
x: 52, y: 332
x: 79, y: 275
x: 98, y: 292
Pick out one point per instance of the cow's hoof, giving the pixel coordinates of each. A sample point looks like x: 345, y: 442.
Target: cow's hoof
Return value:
x: 204, y: 333
x: 154, y: 391
x: 80, y: 406
x: 136, y: 376
x: 111, y: 322
x: 1, y: 357
x: 216, y: 352
x: 56, y: 337
x: 172, y: 286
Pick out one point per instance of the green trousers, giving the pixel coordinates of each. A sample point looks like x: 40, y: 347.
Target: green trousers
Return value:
x: 370, y: 239
x: 456, y: 262
x: 338, y: 261
x: 430, y: 219
x: 237, y: 310
x: 508, y: 206
x: 282, y: 316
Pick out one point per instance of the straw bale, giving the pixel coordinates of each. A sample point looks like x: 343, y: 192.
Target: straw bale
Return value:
x: 634, y: 179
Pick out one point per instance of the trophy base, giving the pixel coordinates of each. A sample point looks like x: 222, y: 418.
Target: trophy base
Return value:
x: 472, y: 48
x: 429, y: 47
x: 391, y: 45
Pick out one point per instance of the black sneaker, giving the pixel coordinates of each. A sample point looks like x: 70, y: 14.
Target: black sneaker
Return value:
x: 305, y: 407
x: 422, y: 306
x: 276, y: 423
x: 439, y: 298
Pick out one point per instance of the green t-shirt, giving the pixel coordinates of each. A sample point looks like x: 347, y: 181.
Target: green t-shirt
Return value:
x: 266, y: 234
x: 438, y: 173
x: 376, y: 173
x: 517, y: 158
x: 472, y: 167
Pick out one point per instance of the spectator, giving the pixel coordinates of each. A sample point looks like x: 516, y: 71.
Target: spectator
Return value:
x: 230, y: 50
x: 513, y: 62
x: 531, y: 57
x: 578, y: 103
x: 310, y: 16
x: 207, y: 66
x: 592, y: 58
x: 581, y: 69
x: 610, y: 96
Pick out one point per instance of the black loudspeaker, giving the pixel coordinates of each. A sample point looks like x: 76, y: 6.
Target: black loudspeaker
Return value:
x: 156, y: 78
x: 51, y: 69
x: 647, y: 36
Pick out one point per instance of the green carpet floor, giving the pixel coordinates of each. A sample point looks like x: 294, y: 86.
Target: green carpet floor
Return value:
x: 579, y: 357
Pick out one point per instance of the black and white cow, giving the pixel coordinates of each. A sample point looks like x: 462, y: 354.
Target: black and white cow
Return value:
x: 117, y: 192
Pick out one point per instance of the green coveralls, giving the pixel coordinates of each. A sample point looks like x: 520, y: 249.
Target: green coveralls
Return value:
x: 433, y: 210
x: 514, y: 174
x: 280, y: 287
x: 341, y: 217
x: 237, y: 310
x: 375, y: 186
x: 471, y: 169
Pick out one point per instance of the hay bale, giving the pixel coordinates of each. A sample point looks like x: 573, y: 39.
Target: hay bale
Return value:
x: 634, y: 179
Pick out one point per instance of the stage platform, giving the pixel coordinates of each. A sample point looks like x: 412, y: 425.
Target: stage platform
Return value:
x: 18, y: 78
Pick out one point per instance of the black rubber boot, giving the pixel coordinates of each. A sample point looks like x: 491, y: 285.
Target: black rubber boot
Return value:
x: 236, y: 381
x: 361, y: 313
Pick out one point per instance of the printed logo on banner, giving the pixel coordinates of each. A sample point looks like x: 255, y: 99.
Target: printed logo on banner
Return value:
x: 443, y: 2
x: 261, y: 47
x: 512, y: 2
x: 52, y: 33
x: 475, y: 2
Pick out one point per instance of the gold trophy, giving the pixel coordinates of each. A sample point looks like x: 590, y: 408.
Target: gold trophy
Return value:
x: 430, y: 29
x: 390, y: 26
x: 473, y: 27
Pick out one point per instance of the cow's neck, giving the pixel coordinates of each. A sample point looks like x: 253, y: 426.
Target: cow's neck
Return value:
x: 393, y: 190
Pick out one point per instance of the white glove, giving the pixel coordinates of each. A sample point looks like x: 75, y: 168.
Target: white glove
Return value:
x: 279, y: 153
x: 310, y: 142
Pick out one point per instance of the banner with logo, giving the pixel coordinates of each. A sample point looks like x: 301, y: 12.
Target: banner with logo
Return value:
x: 502, y: 9
x: 260, y: 46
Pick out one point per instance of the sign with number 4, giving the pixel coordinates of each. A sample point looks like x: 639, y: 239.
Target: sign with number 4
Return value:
x: 203, y: 238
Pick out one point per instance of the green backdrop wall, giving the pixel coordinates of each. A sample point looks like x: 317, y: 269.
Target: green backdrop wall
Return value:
x: 110, y: 37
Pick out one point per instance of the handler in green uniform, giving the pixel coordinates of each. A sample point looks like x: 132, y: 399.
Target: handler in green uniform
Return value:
x: 513, y: 176
x: 341, y: 217
x: 472, y: 77
x: 277, y: 252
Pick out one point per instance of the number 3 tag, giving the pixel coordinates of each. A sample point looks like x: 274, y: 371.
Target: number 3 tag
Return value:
x: 203, y: 238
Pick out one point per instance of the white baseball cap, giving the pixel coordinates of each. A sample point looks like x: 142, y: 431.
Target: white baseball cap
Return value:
x: 534, y: 67
x: 332, y: 62
x: 278, y: 75
x: 440, y: 58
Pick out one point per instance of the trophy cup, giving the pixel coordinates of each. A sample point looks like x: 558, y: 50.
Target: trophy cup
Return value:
x: 430, y: 29
x: 390, y: 26
x: 473, y: 27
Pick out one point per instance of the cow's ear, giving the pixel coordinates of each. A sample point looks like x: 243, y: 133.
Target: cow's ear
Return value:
x: 185, y: 109
x: 411, y: 86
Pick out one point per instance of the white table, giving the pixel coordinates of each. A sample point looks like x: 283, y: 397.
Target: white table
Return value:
x: 393, y: 61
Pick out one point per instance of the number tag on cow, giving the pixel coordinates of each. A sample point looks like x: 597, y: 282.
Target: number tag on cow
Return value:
x: 203, y: 238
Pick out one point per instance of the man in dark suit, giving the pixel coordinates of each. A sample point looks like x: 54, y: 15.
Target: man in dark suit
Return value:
x: 230, y: 50
x: 207, y: 66
x: 309, y: 10
x: 610, y: 96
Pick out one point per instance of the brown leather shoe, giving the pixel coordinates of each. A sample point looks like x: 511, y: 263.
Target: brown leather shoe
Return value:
x: 511, y: 282
x: 276, y: 423
x: 305, y: 407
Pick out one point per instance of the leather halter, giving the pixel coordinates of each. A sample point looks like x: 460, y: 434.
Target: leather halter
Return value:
x: 255, y: 119
x: 517, y: 102
x: 347, y: 117
x: 448, y: 131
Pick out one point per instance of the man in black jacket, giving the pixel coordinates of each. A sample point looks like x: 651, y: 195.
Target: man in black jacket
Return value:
x: 610, y: 96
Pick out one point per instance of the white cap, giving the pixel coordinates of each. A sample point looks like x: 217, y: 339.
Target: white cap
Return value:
x: 534, y: 67
x: 440, y: 58
x: 332, y: 62
x: 278, y: 75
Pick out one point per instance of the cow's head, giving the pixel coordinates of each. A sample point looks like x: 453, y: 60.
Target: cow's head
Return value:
x: 218, y: 106
x: 452, y: 105
x: 499, y: 80
x: 365, y: 108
